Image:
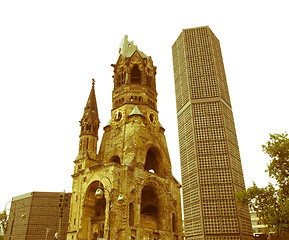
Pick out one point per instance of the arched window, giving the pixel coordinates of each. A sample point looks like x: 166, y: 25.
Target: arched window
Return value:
x: 174, y: 222
x: 97, y: 205
x: 135, y: 75
x: 131, y: 214
x: 149, y: 208
x: 151, y: 163
x: 115, y: 159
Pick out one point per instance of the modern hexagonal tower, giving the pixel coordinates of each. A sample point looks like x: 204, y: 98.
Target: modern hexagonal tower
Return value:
x: 210, y: 160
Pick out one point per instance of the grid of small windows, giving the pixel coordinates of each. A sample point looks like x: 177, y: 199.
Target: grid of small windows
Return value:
x: 212, y: 225
x: 189, y: 173
x: 215, y: 120
x: 180, y: 73
x: 201, y: 67
x: 225, y: 238
x: 211, y: 208
x: 210, y: 158
x: 217, y: 133
x: 233, y: 238
x: 213, y: 238
x: 223, y: 175
x: 206, y: 161
x: 234, y: 151
x: 227, y: 207
x: 222, y: 161
x: 204, y: 147
x: 230, y: 224
x: 239, y: 178
x: 232, y: 137
x: 197, y: 226
x: 195, y: 238
x: 246, y: 224
x: 207, y: 176
x: 225, y: 191
x: 209, y: 192
x: 188, y: 225
x: 219, y: 147
x: 220, y: 70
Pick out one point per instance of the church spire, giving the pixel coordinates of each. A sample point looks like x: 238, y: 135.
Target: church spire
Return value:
x: 89, y: 131
x: 90, y: 121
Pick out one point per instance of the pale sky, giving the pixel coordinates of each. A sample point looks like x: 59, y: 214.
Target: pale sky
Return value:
x: 50, y: 51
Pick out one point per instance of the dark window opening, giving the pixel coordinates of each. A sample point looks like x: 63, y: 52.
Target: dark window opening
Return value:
x: 150, y: 210
x: 149, y: 204
x: 131, y: 214
x: 99, y: 207
x: 115, y: 159
x: 135, y: 75
x: 174, y: 222
x: 151, y: 164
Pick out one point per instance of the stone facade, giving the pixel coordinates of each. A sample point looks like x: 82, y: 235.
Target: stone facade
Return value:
x: 132, y: 163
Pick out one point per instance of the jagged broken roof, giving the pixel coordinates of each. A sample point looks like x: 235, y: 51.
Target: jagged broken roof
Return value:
x: 127, y: 48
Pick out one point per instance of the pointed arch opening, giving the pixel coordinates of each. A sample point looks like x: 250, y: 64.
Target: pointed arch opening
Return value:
x: 94, y: 208
x: 135, y: 74
x: 151, y: 163
x: 131, y: 214
x: 174, y: 222
x: 115, y: 159
x: 149, y: 208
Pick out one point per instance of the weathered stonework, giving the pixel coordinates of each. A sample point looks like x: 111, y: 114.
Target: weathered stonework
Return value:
x: 133, y: 155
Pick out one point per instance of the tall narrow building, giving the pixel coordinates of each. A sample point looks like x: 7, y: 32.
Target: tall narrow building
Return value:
x: 126, y: 190
x: 210, y: 160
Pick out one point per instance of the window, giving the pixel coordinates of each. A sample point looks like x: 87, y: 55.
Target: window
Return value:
x: 151, y: 164
x: 174, y: 222
x: 115, y: 159
x: 149, y: 208
x: 131, y: 214
x: 135, y: 75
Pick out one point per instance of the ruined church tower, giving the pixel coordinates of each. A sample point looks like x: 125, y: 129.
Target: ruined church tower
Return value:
x: 126, y: 190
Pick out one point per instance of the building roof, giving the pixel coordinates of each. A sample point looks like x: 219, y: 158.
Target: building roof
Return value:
x: 90, y: 110
x: 127, y: 48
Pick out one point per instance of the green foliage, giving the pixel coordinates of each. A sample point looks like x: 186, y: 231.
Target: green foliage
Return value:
x: 272, y: 204
x: 1, y: 237
x: 4, y: 220
x: 278, y: 150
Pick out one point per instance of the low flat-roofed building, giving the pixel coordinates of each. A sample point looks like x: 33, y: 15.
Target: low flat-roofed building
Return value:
x: 35, y: 215
x: 258, y: 228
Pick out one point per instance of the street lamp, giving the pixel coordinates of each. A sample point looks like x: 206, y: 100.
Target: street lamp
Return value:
x: 63, y: 202
x: 22, y: 216
x: 100, y: 192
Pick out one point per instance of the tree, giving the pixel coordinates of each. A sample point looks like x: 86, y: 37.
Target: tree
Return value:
x: 4, y: 220
x: 272, y: 203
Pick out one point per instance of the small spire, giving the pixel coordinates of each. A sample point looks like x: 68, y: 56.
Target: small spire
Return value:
x: 90, y: 110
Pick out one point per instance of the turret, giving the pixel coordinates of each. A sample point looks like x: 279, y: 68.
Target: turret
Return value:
x: 89, y: 130
x: 134, y: 77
